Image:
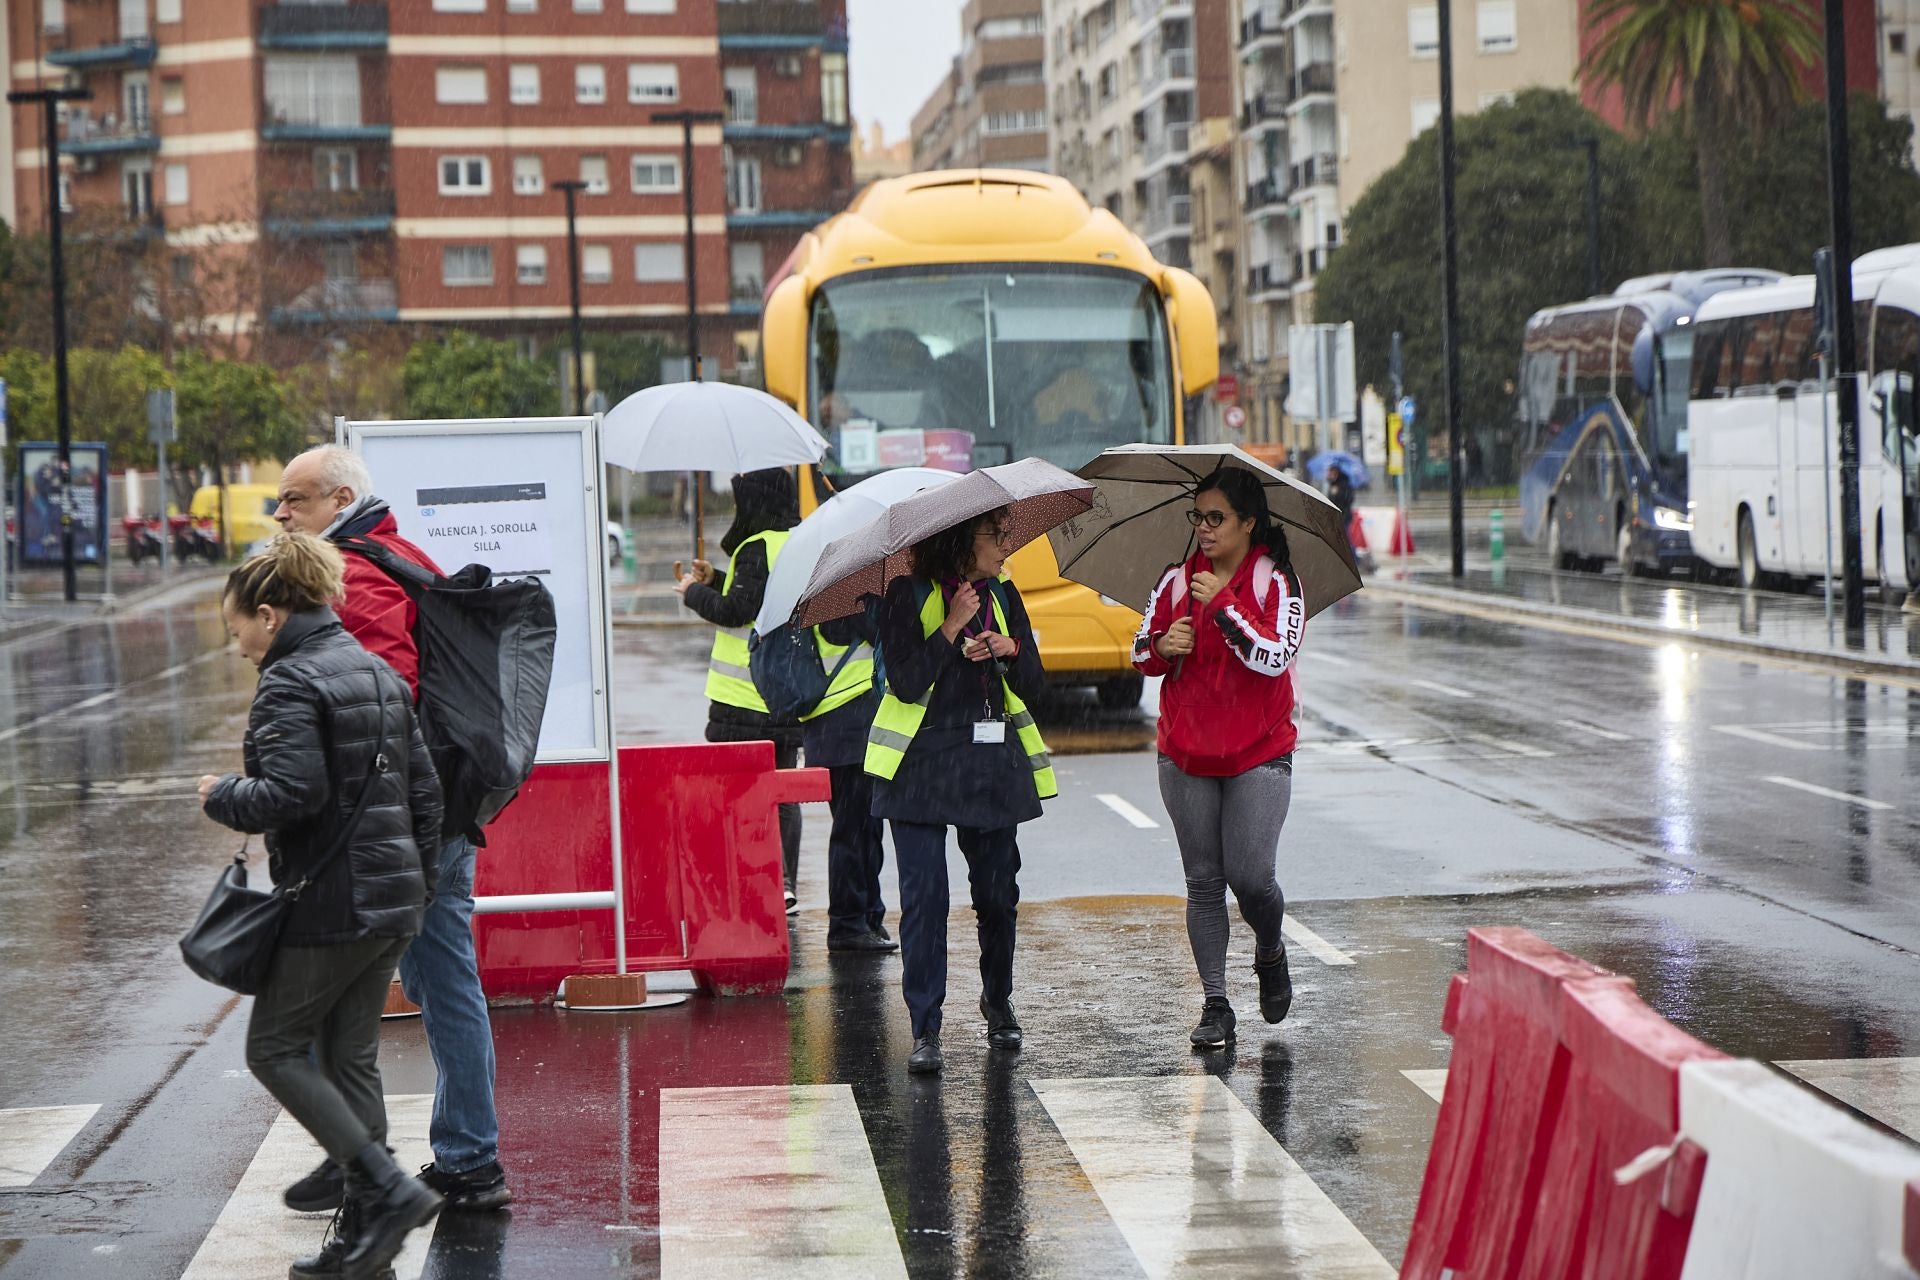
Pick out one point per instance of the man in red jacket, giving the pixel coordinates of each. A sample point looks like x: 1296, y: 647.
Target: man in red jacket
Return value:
x: 327, y: 491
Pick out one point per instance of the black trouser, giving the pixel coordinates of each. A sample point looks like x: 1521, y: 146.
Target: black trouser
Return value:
x: 786, y: 755
x: 855, y: 850
x: 993, y: 868
x: 314, y: 1039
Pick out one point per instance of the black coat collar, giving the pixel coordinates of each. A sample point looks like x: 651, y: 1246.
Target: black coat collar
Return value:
x: 298, y: 628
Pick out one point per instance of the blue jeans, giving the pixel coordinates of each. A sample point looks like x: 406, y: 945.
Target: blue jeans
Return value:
x: 439, y: 973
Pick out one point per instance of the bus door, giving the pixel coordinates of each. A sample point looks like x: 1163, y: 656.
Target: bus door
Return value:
x: 1890, y: 415
x: 1803, y: 414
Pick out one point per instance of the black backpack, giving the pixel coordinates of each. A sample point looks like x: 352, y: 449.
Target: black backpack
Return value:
x: 486, y: 659
x: 788, y: 673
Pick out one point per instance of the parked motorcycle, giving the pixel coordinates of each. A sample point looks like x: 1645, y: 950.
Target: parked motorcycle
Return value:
x: 194, y: 537
x: 143, y: 538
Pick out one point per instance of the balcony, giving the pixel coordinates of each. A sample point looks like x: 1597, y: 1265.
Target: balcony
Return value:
x: 1311, y: 81
x: 1263, y: 27
x: 1321, y: 170
x: 1147, y: 12
x: 1169, y: 142
x: 1263, y: 110
x: 107, y: 135
x: 1172, y: 69
x: 329, y: 213
x: 321, y: 118
x: 132, y: 225
x: 1309, y: 263
x: 1268, y: 280
x: 316, y: 27
x: 1265, y: 196
x: 1297, y: 11
x: 342, y: 302
x: 122, y: 51
x: 1173, y: 215
x: 778, y: 24
x: 759, y: 219
x: 746, y: 294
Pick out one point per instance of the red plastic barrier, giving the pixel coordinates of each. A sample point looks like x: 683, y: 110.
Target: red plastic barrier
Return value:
x: 1357, y: 531
x: 701, y: 844
x: 1560, y: 1077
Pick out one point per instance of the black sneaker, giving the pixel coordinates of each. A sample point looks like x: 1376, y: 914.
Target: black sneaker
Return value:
x: 319, y: 1191
x: 1276, y: 986
x: 1216, y: 1025
x: 475, y: 1190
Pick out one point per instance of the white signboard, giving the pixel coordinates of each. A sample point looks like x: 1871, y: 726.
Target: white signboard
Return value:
x: 1320, y: 361
x: 523, y: 498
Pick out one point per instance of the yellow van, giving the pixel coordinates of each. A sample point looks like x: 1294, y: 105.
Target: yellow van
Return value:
x: 250, y: 510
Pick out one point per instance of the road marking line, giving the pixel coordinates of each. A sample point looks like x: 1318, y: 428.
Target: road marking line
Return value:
x: 1888, y: 1089
x: 100, y: 699
x: 1447, y: 689
x: 1314, y: 655
x: 1769, y: 739
x: 1812, y: 790
x: 1509, y: 745
x: 1432, y: 1082
x: 1195, y: 1182
x: 30, y: 1138
x: 257, y: 1235
x: 1594, y: 729
x: 771, y: 1180
x: 1127, y: 811
x: 1318, y: 947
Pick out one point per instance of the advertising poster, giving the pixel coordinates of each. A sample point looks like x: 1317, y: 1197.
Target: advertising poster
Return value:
x: 39, y: 504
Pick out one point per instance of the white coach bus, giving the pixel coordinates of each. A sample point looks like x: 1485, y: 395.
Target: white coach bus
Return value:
x: 1762, y: 431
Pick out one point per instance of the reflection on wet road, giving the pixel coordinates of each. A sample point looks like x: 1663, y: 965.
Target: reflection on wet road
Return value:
x: 1739, y: 838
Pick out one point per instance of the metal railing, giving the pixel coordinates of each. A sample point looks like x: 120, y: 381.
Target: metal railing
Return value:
x: 316, y: 206
x: 1261, y: 108
x: 1265, y: 192
x: 1316, y: 170
x: 112, y: 127
x: 347, y: 295
x: 1315, y: 77
x: 1268, y: 277
x: 1261, y: 22
x: 1170, y: 139
x: 1169, y: 214
x: 315, y: 22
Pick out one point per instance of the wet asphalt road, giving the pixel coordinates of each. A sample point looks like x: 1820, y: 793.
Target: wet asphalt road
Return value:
x: 1738, y: 838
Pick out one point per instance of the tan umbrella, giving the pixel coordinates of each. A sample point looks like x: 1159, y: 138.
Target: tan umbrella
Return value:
x: 1037, y: 495
x: 1138, y: 526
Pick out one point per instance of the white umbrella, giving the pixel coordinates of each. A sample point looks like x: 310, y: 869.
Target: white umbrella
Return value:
x: 706, y: 426
x: 839, y: 515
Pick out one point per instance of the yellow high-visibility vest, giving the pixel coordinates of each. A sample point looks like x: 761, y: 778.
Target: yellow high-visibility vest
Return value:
x: 898, y: 721
x: 854, y: 680
x: 729, y: 678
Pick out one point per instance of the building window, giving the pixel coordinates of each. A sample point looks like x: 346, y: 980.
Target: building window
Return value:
x: 1495, y: 100
x: 743, y: 183
x: 789, y: 155
x: 787, y: 66
x: 588, y: 6
x: 460, y: 86
x: 655, y: 175
x: 183, y: 271
x: 659, y: 263
x: 1498, y: 32
x: 1896, y: 42
x: 459, y: 6
x: 313, y: 91
x: 650, y: 6
x: 465, y: 176
x: 166, y: 10
x: 833, y: 88
x: 593, y: 172
x: 596, y: 264
x: 336, y: 169
x: 1023, y: 27
x: 528, y: 177
x: 523, y: 6
x: 1034, y: 121
x: 749, y: 261
x: 523, y: 84
x: 1423, y: 31
x: 466, y: 264
x: 532, y: 263
x: 653, y: 82
x: 173, y: 95
x: 590, y: 83
x: 743, y: 95
x: 136, y: 184
x: 340, y: 262
x: 1426, y: 113
x: 176, y: 184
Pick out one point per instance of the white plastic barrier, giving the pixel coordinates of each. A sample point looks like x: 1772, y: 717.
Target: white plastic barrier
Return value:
x: 1795, y: 1187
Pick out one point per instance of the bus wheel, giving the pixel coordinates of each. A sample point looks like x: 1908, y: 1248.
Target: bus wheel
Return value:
x: 1121, y: 692
x: 1556, y: 554
x: 1749, y: 553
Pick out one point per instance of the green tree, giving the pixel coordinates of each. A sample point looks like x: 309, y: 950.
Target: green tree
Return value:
x: 1729, y: 65
x: 230, y: 411
x: 109, y: 400
x: 467, y: 376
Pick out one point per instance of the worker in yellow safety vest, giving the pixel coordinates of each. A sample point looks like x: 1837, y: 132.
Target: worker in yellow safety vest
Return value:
x: 766, y: 506
x: 953, y: 745
x: 835, y: 734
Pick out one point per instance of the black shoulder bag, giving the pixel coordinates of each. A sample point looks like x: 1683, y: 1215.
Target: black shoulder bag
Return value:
x: 232, y: 942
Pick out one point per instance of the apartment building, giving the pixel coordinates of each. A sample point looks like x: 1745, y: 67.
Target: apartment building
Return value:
x: 393, y: 163
x: 989, y: 110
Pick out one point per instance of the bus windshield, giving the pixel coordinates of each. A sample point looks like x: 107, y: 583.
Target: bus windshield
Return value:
x: 964, y: 367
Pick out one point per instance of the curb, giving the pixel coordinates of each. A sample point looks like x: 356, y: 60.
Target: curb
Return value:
x: 1506, y: 609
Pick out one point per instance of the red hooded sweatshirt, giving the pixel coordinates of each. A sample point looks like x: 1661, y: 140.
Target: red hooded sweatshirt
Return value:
x: 377, y: 611
x: 1227, y: 706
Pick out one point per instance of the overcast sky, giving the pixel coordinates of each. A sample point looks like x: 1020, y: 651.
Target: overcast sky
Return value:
x: 899, y: 51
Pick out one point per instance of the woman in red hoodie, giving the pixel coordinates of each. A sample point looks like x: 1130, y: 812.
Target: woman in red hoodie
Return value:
x: 1224, y: 629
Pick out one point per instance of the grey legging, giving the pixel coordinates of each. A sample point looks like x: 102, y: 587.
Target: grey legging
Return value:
x: 1229, y: 833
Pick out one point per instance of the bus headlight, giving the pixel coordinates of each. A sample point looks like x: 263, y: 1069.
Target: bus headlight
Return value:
x: 1668, y: 518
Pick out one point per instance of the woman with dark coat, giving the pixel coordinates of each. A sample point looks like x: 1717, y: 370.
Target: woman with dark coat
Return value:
x: 766, y: 507
x: 331, y: 723
x: 953, y: 745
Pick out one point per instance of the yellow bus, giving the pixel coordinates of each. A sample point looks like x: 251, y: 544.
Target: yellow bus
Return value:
x: 966, y: 318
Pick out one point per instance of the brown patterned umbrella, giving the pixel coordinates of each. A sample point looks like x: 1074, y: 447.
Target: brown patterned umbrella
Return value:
x: 1037, y: 495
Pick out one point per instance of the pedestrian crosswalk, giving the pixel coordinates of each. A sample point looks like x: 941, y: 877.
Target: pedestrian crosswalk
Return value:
x: 30, y: 1138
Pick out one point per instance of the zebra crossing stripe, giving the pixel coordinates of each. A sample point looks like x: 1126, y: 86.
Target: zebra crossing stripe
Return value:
x: 1197, y: 1185
x: 1888, y: 1089
x: 30, y: 1138
x: 257, y: 1235
x: 773, y: 1180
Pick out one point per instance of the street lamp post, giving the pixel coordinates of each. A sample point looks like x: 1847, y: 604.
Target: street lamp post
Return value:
x: 49, y: 101
x: 1450, y: 288
x: 686, y: 120
x: 571, y: 188
x: 1846, y: 359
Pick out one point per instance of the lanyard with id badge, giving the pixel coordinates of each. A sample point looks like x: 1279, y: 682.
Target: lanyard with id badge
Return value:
x: 990, y: 729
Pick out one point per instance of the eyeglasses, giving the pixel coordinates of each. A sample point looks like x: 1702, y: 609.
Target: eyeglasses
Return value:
x: 998, y: 537
x: 1211, y: 519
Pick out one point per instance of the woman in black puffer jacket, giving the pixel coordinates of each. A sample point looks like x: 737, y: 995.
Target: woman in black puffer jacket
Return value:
x: 328, y: 716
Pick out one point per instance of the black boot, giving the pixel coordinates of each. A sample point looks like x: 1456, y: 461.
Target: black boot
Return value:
x: 1276, y: 985
x: 1003, y: 1029
x: 341, y: 1233
x: 390, y: 1205
x: 318, y: 1191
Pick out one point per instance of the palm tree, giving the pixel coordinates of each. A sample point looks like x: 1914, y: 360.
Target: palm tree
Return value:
x: 1721, y: 63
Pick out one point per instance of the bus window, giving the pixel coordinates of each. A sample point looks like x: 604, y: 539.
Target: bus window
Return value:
x: 1896, y: 360
x: 1709, y: 359
x: 965, y: 367
x: 1672, y: 354
x: 1795, y: 360
x: 1633, y: 402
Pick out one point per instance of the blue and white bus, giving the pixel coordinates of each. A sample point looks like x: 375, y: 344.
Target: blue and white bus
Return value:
x: 1602, y: 396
